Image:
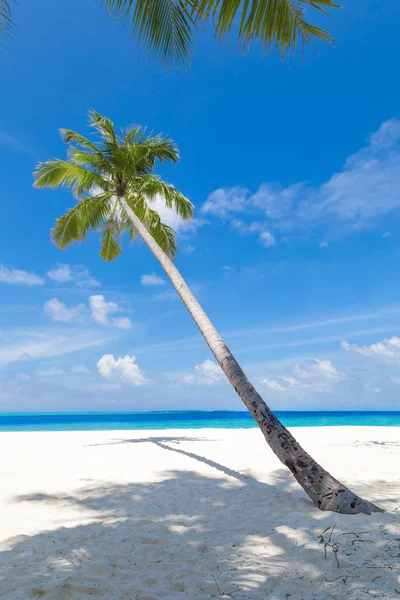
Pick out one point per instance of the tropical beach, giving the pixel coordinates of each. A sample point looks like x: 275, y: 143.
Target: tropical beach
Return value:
x: 199, y: 300
x: 202, y: 513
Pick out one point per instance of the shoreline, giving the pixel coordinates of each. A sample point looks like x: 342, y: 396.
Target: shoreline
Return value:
x: 158, y: 514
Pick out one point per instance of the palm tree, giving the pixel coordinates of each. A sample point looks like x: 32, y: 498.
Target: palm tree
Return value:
x: 167, y: 27
x: 115, y: 186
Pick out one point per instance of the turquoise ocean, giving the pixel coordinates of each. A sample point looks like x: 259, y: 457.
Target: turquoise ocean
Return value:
x: 186, y: 420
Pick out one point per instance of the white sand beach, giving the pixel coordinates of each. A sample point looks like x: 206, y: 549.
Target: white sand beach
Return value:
x: 194, y: 514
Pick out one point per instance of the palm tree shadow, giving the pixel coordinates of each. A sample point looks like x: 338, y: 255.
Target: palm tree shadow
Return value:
x: 164, y: 442
x: 189, y: 536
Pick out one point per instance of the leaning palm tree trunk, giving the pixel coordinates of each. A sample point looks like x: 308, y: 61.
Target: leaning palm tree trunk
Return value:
x: 324, y: 490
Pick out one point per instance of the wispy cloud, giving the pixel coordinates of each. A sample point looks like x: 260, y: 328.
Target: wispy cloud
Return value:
x: 32, y: 345
x: 76, y: 274
x: 152, y: 279
x: 19, y: 277
x: 15, y: 142
x: 58, y: 311
x: 56, y: 372
x: 388, y: 350
x: 387, y: 321
x: 316, y: 374
x: 365, y: 189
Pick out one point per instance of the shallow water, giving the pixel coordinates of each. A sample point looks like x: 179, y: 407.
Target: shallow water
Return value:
x: 186, y: 420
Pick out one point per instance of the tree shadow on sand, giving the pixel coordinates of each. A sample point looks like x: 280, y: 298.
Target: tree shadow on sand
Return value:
x: 197, y: 536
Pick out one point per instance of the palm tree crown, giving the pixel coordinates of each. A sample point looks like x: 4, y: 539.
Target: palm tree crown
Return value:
x: 167, y: 27
x: 100, y: 173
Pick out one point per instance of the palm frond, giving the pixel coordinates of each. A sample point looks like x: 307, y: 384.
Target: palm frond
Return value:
x: 165, y: 27
x: 130, y: 134
x: 164, y: 236
x: 152, y: 188
x: 126, y: 225
x: 105, y: 127
x: 162, y: 148
x: 68, y: 229
x: 95, y: 210
x: 162, y: 233
x: 6, y: 22
x: 94, y: 160
x: 270, y: 22
x: 110, y: 248
x: 91, y: 212
x: 71, y: 137
x: 64, y: 173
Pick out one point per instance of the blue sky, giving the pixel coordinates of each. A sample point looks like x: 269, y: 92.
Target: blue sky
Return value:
x: 294, y: 168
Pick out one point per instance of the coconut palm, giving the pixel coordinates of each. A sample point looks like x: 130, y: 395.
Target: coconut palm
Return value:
x: 113, y: 181
x: 167, y: 27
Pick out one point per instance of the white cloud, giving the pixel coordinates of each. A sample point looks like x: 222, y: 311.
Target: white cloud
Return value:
x: 365, y: 189
x: 207, y: 373
x: 388, y: 349
x: 122, y: 323
x: 317, y: 368
x: 323, y: 245
x: 18, y: 277
x: 77, y: 274
x: 315, y: 374
x: 124, y: 368
x: 101, y: 311
x: 58, y: 311
x: 152, y: 279
x: 225, y: 201
x: 267, y: 239
x: 386, y: 234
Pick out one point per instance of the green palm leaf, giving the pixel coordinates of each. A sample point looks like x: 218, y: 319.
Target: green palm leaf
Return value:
x: 164, y: 27
x: 68, y: 174
x: 68, y: 229
x: 110, y: 248
x: 167, y: 27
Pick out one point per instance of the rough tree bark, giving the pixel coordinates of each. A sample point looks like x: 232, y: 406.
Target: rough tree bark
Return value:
x: 325, y: 491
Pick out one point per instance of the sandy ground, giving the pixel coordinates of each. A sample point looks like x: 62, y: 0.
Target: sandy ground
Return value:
x: 199, y: 514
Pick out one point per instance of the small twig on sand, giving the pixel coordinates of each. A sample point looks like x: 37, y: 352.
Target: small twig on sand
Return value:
x: 356, y: 541
x: 218, y: 588
x: 335, y: 550
x: 234, y: 591
x: 330, y: 535
x: 327, y: 544
x: 347, y: 533
x: 337, y: 578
